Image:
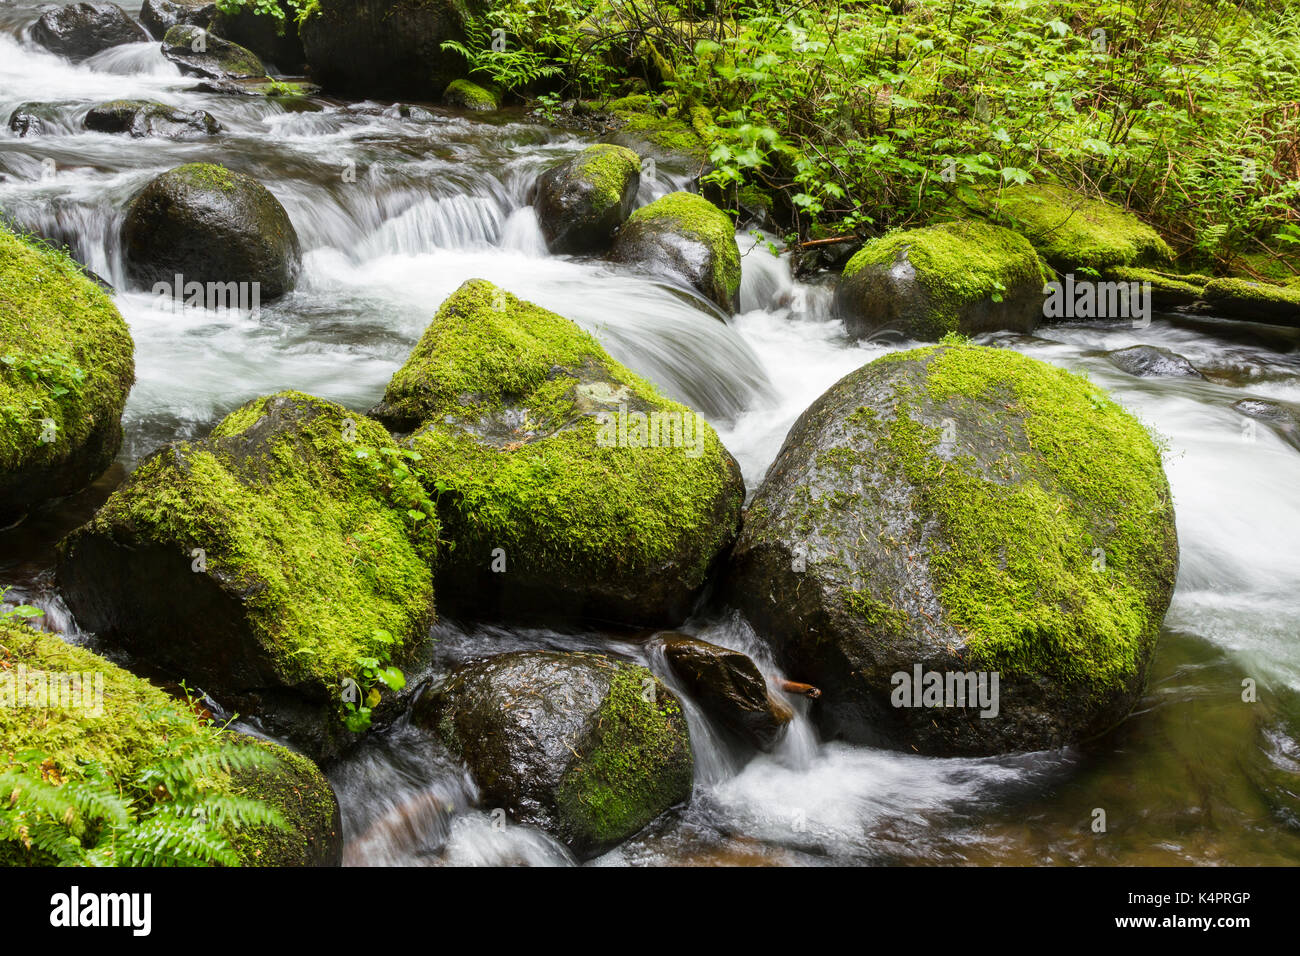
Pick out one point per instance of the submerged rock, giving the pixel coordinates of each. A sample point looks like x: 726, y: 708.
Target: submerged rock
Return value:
x: 210, y: 225
x: 1254, y: 301
x: 1074, y: 232
x: 159, y: 16
x: 688, y: 240
x: 140, y: 118
x: 570, y: 487
x: 1148, y: 361
x: 81, y: 30
x: 387, y: 47
x: 263, y: 563
x: 66, y: 366
x: 965, y: 277
x: 962, y: 510
x: 134, y: 725
x: 730, y: 688
x: 588, y: 748
x: 465, y: 95
x: 200, y: 53
x: 1284, y: 419
x: 581, y: 201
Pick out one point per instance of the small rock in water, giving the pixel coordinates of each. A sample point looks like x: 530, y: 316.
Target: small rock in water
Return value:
x: 139, y: 118
x: 1149, y: 361
x: 32, y: 119
x: 1284, y: 420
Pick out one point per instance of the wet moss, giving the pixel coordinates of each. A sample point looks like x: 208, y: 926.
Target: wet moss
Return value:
x: 469, y: 95
x: 1248, y: 292
x: 608, y: 168
x: 206, y: 176
x: 694, y: 216
x: 643, y: 118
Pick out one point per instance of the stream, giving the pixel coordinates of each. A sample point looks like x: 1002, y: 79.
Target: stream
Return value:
x: 394, y: 213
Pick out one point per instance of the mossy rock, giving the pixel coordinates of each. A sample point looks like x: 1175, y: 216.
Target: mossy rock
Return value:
x: 688, y: 240
x: 66, y: 366
x: 159, y: 16
x: 80, y: 30
x: 198, y: 52
x: 649, y: 130
x: 1254, y: 301
x: 965, y: 277
x: 552, y: 511
x: 390, y: 48
x: 1074, y: 232
x: 139, y: 725
x: 309, y: 563
x: 581, y: 201
x: 588, y: 748
x: 141, y: 118
x: 35, y: 119
x: 1169, y: 290
x: 211, y: 225
x: 961, y: 509
x: 467, y: 95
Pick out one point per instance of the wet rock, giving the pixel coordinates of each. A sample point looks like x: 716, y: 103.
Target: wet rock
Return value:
x: 588, y: 748
x: 1169, y: 290
x: 139, y: 118
x: 965, y: 277
x: 581, y: 201
x: 958, y: 510
x: 571, y: 488
x: 159, y: 16
x: 210, y: 224
x: 1284, y: 419
x: 81, y: 30
x: 1149, y: 361
x: 34, y: 119
x: 387, y: 47
x: 728, y: 685
x: 686, y: 239
x: 200, y: 53
x: 262, y: 564
x: 464, y: 95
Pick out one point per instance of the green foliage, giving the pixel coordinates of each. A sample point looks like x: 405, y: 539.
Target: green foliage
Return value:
x: 280, y: 10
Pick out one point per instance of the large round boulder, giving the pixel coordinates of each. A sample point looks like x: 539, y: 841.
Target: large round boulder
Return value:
x: 141, y: 118
x: 81, y: 30
x: 586, y: 747
x: 387, y: 47
x: 969, y: 551
x: 66, y: 366
x: 686, y: 239
x: 110, y: 730
x: 210, y: 225
x: 264, y: 563
x: 965, y: 277
x: 581, y: 201
x: 197, y: 52
x: 569, y: 486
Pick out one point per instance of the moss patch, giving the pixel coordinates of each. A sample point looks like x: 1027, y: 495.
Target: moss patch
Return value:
x: 465, y: 94
x: 695, y: 217
x: 646, y: 119
x: 608, y: 168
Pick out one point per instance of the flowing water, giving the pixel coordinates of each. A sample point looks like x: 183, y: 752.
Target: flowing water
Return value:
x: 395, y: 212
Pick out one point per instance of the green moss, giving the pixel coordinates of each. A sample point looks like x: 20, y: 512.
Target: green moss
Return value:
x: 468, y: 95
x: 512, y: 392
x: 65, y: 355
x: 231, y: 57
x: 206, y: 176
x: 639, y: 761
x: 299, y: 525
x: 608, y: 168
x: 958, y: 263
x: 1015, y: 562
x: 1074, y: 232
x: 1169, y: 283
x: 1248, y: 292
x: 140, y: 724
x: 646, y: 119
x: 691, y: 215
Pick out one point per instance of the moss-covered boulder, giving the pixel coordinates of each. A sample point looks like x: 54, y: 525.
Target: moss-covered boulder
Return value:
x: 112, y: 722
x: 957, y: 510
x: 588, y: 748
x: 581, y: 201
x: 66, y: 366
x: 141, y: 118
x: 198, y: 52
x: 686, y: 239
x: 965, y: 277
x: 159, y: 16
x: 1074, y: 232
x: 729, y: 687
x: 569, y: 486
x: 80, y: 30
x: 264, y: 563
x: 387, y: 47
x: 1254, y: 301
x: 210, y: 225
x: 467, y: 95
